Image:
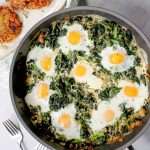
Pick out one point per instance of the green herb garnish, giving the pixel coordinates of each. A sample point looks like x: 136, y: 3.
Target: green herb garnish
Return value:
x: 109, y: 92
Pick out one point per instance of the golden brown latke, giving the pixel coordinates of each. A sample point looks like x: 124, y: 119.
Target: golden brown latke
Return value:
x: 10, y: 24
x: 30, y: 4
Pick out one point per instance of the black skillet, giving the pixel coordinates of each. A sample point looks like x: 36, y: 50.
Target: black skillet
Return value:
x: 17, y: 88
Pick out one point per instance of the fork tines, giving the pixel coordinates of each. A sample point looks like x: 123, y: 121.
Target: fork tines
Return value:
x: 11, y: 127
x: 41, y: 147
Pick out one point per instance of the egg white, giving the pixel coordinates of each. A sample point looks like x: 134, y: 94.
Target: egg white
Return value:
x: 83, y: 45
x: 37, y: 53
x: 91, y: 80
x: 94, y: 82
x: 125, y: 65
x: 73, y: 132
x: 32, y: 98
x: 135, y: 102
x: 89, y: 71
x: 97, y: 121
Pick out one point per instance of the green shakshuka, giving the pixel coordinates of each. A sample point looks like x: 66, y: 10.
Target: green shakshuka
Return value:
x: 87, y: 82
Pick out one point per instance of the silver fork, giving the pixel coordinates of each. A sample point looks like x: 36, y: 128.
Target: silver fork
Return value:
x: 41, y: 147
x: 15, y: 132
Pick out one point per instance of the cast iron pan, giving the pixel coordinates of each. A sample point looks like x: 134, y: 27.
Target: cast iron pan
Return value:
x: 17, y: 88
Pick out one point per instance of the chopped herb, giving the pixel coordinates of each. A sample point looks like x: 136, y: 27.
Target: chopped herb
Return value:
x: 98, y: 138
x: 54, y: 31
x: 130, y: 74
x: 57, y: 101
x: 126, y: 111
x: 143, y: 79
x: 65, y: 62
x: 137, y: 61
x: 109, y: 92
x: 34, y: 72
x: 65, y: 92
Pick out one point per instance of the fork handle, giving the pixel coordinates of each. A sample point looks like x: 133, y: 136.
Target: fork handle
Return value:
x: 22, y: 146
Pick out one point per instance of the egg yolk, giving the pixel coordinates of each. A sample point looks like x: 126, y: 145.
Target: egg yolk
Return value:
x: 80, y: 71
x: 130, y: 91
x: 43, y: 90
x: 117, y: 58
x: 109, y: 115
x: 65, y: 120
x: 74, y: 37
x: 46, y: 63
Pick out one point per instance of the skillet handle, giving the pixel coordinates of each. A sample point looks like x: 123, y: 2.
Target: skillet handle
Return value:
x: 72, y: 3
x: 82, y: 2
x: 130, y: 147
x: 68, y: 3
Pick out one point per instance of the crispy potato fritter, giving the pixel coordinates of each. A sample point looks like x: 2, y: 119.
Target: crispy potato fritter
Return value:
x: 10, y: 24
x: 30, y: 4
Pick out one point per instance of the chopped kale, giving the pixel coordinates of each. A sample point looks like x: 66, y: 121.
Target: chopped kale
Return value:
x: 85, y: 130
x: 130, y: 74
x: 126, y: 111
x: 118, y: 75
x: 65, y: 92
x: 55, y: 30
x: 34, y: 72
x: 75, y: 19
x: 107, y: 33
x: 84, y: 106
x: 95, y: 57
x: 57, y: 101
x: 109, y: 92
x: 137, y: 61
x: 97, y: 31
x: 143, y: 79
x: 64, y: 63
x: 98, y: 138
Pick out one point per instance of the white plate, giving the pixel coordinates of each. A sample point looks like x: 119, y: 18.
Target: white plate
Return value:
x: 29, y: 19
